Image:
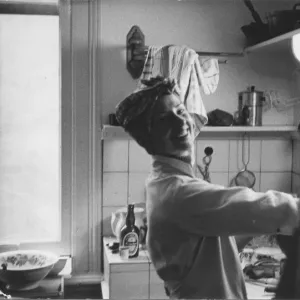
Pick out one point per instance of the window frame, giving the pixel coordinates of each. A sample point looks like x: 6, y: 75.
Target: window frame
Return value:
x: 62, y: 247
x: 81, y: 192
x: 29, y: 8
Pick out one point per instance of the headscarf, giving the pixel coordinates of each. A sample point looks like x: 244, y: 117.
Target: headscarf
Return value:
x: 142, y: 102
x: 135, y: 112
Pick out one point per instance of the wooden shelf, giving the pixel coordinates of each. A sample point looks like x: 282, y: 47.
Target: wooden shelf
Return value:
x: 277, y: 44
x: 250, y: 129
x: 117, y: 132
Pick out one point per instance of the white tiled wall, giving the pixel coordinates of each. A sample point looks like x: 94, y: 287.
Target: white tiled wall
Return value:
x: 276, y: 155
x: 139, y: 159
x: 296, y: 156
x: 126, y: 166
x: 296, y: 167
x: 296, y: 184
x: 115, y: 156
x: 270, y: 160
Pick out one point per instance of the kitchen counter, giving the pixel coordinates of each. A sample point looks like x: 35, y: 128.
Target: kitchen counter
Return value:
x: 135, y: 278
x: 48, y: 288
x: 256, y: 290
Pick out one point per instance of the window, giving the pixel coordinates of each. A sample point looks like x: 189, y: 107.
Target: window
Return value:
x: 30, y: 201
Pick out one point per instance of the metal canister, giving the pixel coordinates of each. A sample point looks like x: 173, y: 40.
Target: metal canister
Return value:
x: 251, y: 107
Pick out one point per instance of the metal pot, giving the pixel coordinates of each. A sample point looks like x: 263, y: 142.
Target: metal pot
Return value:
x: 250, y: 107
x: 283, y: 21
x: 256, y: 31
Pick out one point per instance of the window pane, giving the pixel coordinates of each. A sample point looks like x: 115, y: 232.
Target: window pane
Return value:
x: 29, y: 128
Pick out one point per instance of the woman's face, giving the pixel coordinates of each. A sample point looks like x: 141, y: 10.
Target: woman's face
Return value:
x: 172, y: 128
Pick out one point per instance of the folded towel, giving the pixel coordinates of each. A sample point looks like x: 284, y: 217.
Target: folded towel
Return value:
x: 192, y: 73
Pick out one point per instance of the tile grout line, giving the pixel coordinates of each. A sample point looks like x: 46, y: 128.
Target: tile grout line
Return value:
x: 228, y: 166
x: 128, y: 164
x: 260, y: 163
x: 292, y: 167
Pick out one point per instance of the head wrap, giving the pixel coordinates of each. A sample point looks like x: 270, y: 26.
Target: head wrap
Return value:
x: 142, y: 102
x: 135, y: 112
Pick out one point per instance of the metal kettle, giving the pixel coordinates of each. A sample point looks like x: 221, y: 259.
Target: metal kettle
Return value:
x: 250, y: 107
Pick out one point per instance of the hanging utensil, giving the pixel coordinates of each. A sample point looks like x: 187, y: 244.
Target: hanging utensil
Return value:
x: 254, y: 13
x: 245, y: 177
x: 206, y: 161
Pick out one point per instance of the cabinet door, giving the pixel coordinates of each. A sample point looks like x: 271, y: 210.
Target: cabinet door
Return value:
x: 157, y: 290
x: 129, y: 285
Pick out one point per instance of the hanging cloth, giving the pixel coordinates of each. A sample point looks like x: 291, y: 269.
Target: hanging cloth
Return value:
x: 194, y: 75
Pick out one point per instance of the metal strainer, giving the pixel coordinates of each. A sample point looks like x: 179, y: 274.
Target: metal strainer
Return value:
x: 245, y: 177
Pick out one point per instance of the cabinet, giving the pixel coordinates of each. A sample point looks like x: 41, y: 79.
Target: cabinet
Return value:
x: 133, y: 278
x: 50, y: 287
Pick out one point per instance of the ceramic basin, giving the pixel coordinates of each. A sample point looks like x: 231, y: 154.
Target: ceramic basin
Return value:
x: 24, y: 269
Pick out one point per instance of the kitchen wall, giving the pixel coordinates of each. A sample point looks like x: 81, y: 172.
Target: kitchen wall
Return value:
x: 95, y: 79
x: 296, y: 167
x: 204, y: 26
x: 126, y: 166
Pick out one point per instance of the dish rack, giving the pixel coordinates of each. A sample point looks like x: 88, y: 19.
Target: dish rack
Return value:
x: 275, y: 98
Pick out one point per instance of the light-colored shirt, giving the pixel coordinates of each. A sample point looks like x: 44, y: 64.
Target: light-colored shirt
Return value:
x: 192, y: 224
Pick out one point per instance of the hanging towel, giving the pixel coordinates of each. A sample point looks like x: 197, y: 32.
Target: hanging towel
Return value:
x: 194, y: 74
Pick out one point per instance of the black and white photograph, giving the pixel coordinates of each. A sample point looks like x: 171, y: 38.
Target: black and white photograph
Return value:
x: 149, y: 149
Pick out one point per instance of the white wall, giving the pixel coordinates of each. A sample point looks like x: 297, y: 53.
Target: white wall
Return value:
x: 202, y: 25
x: 296, y: 167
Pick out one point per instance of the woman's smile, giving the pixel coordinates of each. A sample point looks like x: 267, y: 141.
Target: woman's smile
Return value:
x: 173, y: 127
x: 184, y: 135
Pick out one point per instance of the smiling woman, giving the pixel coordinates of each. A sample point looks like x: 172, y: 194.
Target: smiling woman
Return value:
x: 195, y: 228
x: 172, y: 132
x: 159, y: 121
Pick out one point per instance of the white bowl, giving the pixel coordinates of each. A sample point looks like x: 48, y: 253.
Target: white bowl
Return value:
x: 24, y: 269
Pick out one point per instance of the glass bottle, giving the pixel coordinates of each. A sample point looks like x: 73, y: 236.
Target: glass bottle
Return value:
x: 129, y: 236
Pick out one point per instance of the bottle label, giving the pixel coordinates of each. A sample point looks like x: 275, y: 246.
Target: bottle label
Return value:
x: 131, y: 240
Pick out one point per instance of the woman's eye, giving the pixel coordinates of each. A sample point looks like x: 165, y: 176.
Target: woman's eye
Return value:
x: 181, y: 111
